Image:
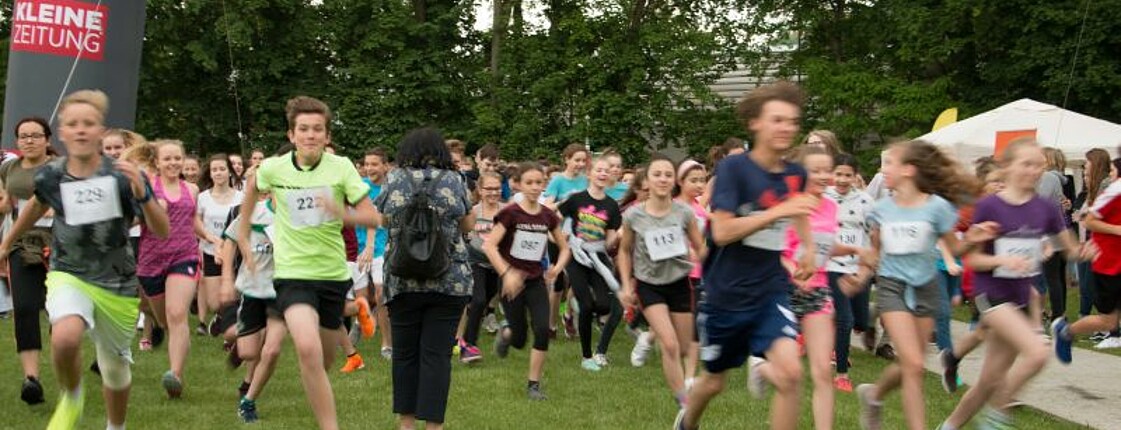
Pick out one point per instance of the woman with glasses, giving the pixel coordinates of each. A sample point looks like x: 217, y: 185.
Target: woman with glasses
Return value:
x: 27, y: 267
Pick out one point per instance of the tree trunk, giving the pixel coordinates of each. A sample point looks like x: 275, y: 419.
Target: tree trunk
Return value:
x: 420, y: 10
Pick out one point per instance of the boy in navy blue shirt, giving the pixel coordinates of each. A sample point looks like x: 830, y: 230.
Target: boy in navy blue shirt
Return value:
x: 745, y: 310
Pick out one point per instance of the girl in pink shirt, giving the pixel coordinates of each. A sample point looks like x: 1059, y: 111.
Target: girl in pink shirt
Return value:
x: 691, y: 184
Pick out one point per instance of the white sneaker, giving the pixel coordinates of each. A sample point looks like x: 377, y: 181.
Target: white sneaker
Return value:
x: 600, y: 359
x: 756, y: 383
x: 641, y: 349
x: 1109, y: 343
x: 490, y: 322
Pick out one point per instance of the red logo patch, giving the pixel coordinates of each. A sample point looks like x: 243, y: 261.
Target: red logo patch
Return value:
x: 66, y: 28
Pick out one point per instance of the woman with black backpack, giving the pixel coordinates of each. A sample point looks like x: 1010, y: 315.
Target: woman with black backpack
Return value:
x: 428, y: 280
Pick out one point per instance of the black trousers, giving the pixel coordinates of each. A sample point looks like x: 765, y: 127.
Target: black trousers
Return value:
x: 534, y: 300
x: 29, y: 297
x: 487, y: 285
x: 595, y: 299
x: 1055, y: 277
x: 424, y: 327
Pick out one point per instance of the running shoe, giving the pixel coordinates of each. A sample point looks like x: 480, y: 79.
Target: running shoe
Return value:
x: 172, y: 385
x: 68, y: 411
x: 842, y: 383
x: 641, y: 349
x: 354, y: 362
x: 535, y: 394
x: 1099, y: 336
x: 470, y: 354
x: 202, y: 330
x: 145, y: 345
x: 679, y: 422
x: 247, y: 410
x: 1109, y: 343
x: 243, y: 389
x: 590, y: 365
x: 490, y: 323
x: 569, y: 326
x: 365, y: 319
x: 871, y: 411
x: 215, y: 327
x: 1062, y: 342
x: 32, y: 391
x: 756, y: 383
x: 886, y: 352
x: 501, y: 344
x: 387, y: 353
x: 991, y: 419
x: 601, y: 360
x: 949, y: 370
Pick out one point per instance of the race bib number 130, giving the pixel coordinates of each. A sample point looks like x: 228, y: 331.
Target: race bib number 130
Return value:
x: 91, y: 200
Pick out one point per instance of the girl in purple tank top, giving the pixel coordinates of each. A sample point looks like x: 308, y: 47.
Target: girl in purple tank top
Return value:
x: 168, y: 268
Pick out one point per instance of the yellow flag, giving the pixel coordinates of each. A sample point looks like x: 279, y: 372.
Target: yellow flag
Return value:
x: 947, y: 117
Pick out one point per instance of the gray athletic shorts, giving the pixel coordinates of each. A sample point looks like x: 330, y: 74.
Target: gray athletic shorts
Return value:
x: 893, y: 295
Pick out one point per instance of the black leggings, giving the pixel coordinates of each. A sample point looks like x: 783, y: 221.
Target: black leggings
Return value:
x: 486, y: 287
x: 595, y: 299
x: 534, y: 298
x: 29, y: 297
x: 1055, y: 277
x: 424, y: 328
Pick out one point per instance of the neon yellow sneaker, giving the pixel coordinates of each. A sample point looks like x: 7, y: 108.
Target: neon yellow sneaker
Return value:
x: 68, y: 411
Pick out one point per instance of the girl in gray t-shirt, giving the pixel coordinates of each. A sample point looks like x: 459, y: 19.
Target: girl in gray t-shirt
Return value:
x: 659, y: 237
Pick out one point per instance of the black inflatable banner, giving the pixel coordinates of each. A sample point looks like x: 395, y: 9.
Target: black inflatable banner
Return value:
x: 61, y: 46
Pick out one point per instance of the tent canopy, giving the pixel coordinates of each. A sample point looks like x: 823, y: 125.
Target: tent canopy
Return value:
x: 1071, y: 132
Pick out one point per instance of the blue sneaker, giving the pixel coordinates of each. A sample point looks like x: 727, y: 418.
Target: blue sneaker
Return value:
x: 247, y: 410
x: 1062, y: 340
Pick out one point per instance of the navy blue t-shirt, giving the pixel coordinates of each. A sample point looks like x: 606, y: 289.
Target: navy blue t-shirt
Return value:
x: 739, y: 275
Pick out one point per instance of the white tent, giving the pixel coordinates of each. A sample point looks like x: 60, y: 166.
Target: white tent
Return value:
x: 1071, y: 132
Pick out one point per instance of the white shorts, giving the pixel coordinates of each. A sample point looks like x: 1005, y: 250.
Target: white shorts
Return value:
x: 377, y: 271
x: 110, y: 319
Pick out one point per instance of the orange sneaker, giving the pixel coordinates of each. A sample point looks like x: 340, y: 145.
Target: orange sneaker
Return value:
x: 842, y: 383
x: 365, y: 320
x: 353, y: 363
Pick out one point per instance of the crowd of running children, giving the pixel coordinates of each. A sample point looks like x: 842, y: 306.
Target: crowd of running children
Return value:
x: 757, y: 258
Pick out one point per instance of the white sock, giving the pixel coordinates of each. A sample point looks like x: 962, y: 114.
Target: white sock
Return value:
x: 110, y: 426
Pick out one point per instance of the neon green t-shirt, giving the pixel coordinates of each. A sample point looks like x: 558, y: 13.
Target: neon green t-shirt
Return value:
x: 307, y: 238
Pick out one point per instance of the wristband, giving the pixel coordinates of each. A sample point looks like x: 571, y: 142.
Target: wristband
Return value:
x: 147, y: 195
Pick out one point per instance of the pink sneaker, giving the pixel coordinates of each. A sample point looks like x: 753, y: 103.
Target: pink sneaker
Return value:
x: 470, y: 354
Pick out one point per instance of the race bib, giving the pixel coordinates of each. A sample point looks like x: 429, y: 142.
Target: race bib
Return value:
x: 1030, y: 249
x: 91, y: 200
x: 307, y: 207
x: 665, y: 243
x: 824, y: 243
x: 214, y: 223
x: 853, y: 237
x: 902, y: 238
x: 772, y: 237
x: 528, y: 246
x: 45, y: 221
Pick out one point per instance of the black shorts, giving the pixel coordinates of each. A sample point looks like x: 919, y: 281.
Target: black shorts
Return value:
x: 1107, y: 293
x: 327, y: 297
x: 253, y: 315
x: 677, y: 296
x: 210, y: 267
x: 155, y: 286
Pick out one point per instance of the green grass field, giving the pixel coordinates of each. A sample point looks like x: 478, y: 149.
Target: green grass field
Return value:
x: 488, y: 395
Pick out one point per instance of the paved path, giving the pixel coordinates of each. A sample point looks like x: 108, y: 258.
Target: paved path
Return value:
x: 1088, y: 391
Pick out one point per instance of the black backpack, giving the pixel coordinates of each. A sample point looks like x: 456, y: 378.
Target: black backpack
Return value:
x: 420, y: 248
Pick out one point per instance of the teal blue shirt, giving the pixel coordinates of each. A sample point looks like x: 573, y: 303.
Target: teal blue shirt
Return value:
x: 381, y: 236
x: 560, y: 187
x: 618, y: 191
x: 908, y: 237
